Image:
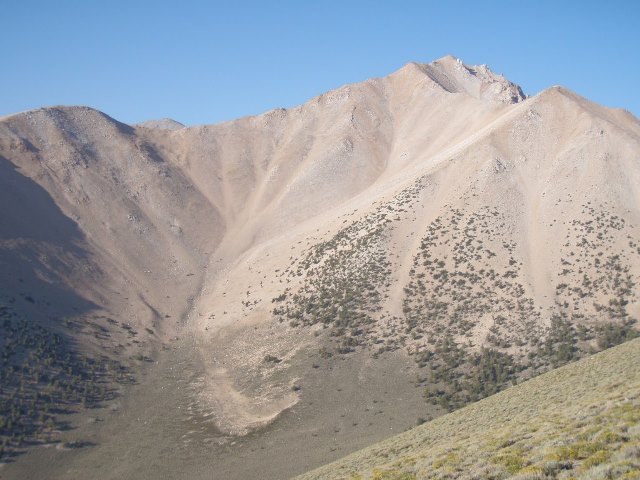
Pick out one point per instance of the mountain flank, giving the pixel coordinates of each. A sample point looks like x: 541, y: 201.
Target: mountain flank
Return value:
x: 305, y: 282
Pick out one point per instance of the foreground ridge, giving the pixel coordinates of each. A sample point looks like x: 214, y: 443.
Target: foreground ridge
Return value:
x: 578, y: 421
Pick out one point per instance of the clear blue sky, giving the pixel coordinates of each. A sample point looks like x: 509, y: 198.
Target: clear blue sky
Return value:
x: 204, y: 62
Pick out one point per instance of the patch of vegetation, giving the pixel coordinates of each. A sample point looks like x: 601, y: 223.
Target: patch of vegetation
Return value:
x: 272, y: 359
x: 42, y: 375
x: 466, y: 270
x: 466, y: 273
x: 392, y: 475
x: 610, y: 334
x: 457, y: 378
x: 469, y: 316
x: 345, y: 278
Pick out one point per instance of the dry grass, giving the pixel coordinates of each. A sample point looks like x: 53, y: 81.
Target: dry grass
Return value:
x: 579, y: 421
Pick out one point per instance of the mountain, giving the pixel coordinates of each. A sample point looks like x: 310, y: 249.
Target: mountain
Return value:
x: 304, y: 282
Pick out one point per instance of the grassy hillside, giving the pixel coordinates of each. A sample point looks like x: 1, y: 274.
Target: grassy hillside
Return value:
x: 579, y: 421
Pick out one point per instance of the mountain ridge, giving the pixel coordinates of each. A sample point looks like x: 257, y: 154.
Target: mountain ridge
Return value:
x: 449, y: 63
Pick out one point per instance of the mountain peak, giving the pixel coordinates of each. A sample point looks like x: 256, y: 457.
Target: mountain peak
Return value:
x: 478, y: 81
x: 161, y: 124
